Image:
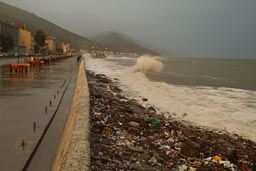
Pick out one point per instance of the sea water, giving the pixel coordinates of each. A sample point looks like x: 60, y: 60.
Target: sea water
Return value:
x: 216, y: 93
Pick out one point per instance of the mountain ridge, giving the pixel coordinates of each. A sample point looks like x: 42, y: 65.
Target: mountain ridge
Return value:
x: 113, y: 40
x: 33, y: 22
x: 120, y: 41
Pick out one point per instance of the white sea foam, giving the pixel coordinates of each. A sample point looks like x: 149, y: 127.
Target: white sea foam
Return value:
x: 119, y: 57
x: 147, y: 63
x: 233, y: 110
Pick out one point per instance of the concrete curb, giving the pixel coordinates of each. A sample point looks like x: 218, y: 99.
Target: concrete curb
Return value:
x: 74, y: 150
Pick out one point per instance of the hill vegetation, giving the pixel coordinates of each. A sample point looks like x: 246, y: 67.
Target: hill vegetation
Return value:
x: 121, y: 42
x: 112, y: 40
x: 10, y: 13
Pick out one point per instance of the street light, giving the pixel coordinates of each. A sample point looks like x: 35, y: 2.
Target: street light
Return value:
x: 30, y: 50
x: 18, y: 54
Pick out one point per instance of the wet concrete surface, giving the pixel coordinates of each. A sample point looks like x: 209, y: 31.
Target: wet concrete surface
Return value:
x: 74, y: 150
x: 23, y: 97
x: 45, y: 155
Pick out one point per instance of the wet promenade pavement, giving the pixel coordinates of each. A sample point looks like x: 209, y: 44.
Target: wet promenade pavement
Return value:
x: 23, y: 99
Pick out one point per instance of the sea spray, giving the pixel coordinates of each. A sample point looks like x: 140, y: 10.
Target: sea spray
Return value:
x: 207, y: 106
x: 147, y: 63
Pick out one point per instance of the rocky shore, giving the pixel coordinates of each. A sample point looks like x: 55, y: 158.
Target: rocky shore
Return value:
x: 124, y: 135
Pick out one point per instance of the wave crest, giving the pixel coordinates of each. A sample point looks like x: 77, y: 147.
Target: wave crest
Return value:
x: 147, y: 63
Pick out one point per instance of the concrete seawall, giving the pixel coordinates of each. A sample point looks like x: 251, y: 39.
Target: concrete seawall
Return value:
x: 74, y: 149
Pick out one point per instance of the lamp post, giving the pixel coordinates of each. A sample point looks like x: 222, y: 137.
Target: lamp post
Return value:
x: 18, y: 54
x: 30, y: 50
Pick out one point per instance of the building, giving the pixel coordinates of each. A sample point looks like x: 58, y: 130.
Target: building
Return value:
x: 24, y: 41
x: 51, y: 44
x: 13, y: 31
x: 65, y: 47
x: 32, y: 43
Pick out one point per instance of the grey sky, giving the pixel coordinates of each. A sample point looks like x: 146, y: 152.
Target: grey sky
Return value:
x: 204, y: 28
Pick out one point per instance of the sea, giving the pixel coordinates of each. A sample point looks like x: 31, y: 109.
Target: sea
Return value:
x: 218, y: 94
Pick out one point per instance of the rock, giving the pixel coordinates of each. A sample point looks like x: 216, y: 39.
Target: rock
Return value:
x: 148, y: 141
x: 151, y: 138
x: 136, y: 166
x: 151, y: 109
x: 243, y: 167
x: 190, y: 148
x: 183, y: 168
x: 115, y: 89
x: 152, y: 160
x: 133, y: 107
x: 232, y: 157
x: 144, y: 99
x: 134, y: 124
x: 128, y: 110
x: 121, y: 97
x: 226, y: 164
x: 254, y: 164
x: 100, y: 92
x: 123, y: 100
x: 136, y: 149
x: 192, y: 169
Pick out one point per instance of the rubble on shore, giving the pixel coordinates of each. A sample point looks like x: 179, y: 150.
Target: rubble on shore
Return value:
x: 125, y: 135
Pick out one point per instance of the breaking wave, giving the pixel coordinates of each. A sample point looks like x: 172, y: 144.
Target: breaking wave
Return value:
x: 120, y: 57
x: 148, y: 64
x: 207, y: 106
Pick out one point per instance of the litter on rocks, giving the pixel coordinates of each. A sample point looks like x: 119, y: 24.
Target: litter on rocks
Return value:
x: 126, y: 136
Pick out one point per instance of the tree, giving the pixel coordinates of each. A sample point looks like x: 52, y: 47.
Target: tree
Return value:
x: 6, y: 42
x: 36, y: 48
x: 40, y: 37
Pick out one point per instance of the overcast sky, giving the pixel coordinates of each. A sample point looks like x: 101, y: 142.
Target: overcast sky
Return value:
x: 203, y: 28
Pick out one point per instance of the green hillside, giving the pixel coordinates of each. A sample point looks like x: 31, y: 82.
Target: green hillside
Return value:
x: 33, y: 23
x: 112, y: 40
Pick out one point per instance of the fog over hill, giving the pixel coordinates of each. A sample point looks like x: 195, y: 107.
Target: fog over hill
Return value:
x: 112, y: 40
x: 122, y: 42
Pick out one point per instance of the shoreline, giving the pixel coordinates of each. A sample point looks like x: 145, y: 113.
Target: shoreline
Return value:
x: 74, y: 148
x: 125, y: 135
x: 206, y: 106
